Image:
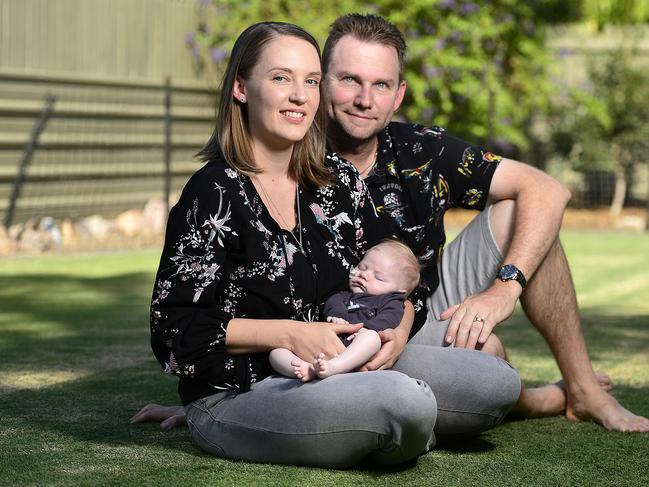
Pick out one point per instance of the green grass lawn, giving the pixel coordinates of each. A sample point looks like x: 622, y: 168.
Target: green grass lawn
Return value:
x: 75, y: 364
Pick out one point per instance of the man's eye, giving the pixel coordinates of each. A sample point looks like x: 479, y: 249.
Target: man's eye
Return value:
x: 348, y: 79
x: 382, y: 85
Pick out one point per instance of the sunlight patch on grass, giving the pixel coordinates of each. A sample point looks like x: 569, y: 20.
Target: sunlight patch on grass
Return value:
x: 11, y: 380
x: 617, y: 289
x: 634, y: 371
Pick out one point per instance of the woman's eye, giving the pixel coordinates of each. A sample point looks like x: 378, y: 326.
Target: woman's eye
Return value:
x: 280, y: 78
x: 313, y: 82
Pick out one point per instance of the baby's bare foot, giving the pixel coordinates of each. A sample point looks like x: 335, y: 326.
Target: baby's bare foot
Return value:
x: 303, y: 370
x: 323, y: 367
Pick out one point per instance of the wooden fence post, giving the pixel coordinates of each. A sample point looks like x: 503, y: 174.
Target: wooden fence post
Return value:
x: 167, y: 142
x: 30, y: 148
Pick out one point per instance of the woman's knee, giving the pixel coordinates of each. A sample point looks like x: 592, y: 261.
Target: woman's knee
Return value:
x: 410, y: 409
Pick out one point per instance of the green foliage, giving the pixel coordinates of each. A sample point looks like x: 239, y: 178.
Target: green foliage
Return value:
x: 607, y: 127
x: 615, y: 11
x: 476, y: 68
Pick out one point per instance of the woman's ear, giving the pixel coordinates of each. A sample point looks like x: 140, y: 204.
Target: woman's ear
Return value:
x: 239, y: 90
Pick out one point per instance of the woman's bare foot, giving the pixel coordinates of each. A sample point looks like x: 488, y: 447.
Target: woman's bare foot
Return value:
x: 303, y: 370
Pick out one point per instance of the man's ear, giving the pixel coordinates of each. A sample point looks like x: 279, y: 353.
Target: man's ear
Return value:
x: 239, y: 89
x: 401, y: 93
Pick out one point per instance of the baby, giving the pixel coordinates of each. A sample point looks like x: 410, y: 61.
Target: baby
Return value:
x: 378, y: 288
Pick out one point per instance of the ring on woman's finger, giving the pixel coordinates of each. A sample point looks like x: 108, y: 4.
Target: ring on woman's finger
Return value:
x: 478, y: 318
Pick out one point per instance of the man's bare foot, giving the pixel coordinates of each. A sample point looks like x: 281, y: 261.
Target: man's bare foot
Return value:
x: 303, y: 370
x: 599, y: 406
x: 549, y: 400
x: 323, y: 367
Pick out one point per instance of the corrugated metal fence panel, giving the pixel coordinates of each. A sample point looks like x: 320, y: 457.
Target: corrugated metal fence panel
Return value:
x: 102, y: 151
x: 128, y: 39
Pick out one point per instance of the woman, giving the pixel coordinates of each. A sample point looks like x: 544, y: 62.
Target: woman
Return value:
x: 260, y: 237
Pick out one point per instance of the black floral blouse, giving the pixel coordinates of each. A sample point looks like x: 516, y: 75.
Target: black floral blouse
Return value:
x: 225, y: 257
x: 420, y: 173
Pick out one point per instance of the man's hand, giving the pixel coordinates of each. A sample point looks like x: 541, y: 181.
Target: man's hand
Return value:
x: 168, y: 416
x: 473, y: 320
x: 310, y: 339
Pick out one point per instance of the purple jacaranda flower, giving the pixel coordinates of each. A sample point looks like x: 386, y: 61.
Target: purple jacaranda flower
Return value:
x: 564, y: 52
x: 469, y: 8
x: 189, y: 38
x: 217, y: 54
x: 430, y: 72
x: 440, y: 44
x: 448, y: 4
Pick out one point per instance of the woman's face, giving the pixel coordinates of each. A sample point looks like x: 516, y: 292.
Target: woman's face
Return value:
x: 282, y: 92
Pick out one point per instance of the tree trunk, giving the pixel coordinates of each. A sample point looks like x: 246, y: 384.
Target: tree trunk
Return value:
x: 619, y: 195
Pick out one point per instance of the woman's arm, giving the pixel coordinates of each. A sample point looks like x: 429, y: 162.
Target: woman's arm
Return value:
x: 306, y: 340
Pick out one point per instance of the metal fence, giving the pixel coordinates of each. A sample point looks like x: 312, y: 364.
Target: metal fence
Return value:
x: 71, y: 147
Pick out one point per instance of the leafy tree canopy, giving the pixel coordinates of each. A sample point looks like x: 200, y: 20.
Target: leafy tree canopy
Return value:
x: 478, y: 68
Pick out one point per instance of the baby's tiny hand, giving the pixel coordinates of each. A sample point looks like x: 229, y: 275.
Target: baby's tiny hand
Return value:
x: 352, y: 336
x: 338, y: 321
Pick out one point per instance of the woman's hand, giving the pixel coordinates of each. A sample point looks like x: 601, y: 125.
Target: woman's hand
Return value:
x: 310, y: 339
x: 168, y: 416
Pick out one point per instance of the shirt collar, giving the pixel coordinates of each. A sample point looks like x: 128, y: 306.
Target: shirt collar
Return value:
x: 385, y: 167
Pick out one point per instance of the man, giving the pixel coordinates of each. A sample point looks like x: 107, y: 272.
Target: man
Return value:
x: 414, y: 174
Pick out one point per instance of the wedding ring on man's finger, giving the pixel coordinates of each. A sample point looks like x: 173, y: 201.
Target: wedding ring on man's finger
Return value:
x: 478, y: 318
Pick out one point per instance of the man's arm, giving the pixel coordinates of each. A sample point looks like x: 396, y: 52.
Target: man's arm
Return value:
x: 540, y: 203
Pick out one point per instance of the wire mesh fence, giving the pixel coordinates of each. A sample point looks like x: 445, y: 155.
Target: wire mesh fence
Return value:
x: 105, y: 146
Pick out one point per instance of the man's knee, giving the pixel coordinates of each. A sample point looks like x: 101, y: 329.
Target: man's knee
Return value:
x: 493, y: 346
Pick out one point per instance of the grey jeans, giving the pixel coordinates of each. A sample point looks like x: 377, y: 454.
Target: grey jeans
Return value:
x: 388, y: 416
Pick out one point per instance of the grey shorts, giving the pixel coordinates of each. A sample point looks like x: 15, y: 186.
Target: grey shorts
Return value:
x: 468, y: 265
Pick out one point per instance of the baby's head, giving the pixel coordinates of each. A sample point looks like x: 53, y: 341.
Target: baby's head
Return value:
x: 387, y: 267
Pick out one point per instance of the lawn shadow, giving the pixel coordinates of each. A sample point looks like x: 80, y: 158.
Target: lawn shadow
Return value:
x: 604, y: 333
x: 96, y: 409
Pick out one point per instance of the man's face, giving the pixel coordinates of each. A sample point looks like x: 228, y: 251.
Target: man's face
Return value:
x: 363, y: 88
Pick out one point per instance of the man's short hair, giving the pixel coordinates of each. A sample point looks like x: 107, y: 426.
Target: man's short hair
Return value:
x: 367, y: 28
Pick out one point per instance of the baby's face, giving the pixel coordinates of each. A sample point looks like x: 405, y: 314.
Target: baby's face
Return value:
x: 377, y: 273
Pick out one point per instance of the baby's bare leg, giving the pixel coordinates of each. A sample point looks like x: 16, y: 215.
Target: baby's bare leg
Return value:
x: 365, y: 344
x: 288, y: 364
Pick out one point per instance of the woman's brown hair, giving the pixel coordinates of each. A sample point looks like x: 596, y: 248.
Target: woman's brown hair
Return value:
x: 231, y: 138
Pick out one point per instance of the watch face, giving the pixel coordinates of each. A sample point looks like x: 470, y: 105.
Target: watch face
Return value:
x: 508, y: 272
